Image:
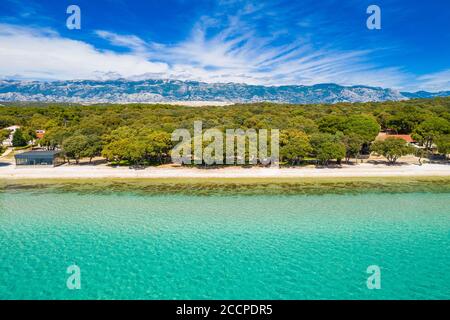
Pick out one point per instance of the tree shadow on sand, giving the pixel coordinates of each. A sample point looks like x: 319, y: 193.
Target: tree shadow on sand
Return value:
x: 390, y: 164
x: 5, y: 164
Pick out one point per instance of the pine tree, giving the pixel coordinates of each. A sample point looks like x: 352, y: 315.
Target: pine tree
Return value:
x: 18, y: 139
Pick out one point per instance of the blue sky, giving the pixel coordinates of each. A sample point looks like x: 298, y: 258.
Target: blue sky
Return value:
x: 257, y: 42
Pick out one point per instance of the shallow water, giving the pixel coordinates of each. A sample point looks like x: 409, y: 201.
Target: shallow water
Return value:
x: 131, y: 246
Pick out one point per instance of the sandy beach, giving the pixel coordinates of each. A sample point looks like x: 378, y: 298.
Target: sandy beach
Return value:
x: 103, y: 171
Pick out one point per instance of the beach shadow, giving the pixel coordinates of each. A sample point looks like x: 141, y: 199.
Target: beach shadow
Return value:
x: 85, y: 163
x: 387, y: 163
x: 93, y: 162
x: 442, y: 162
x: 330, y: 166
x: 5, y: 164
x: 438, y: 159
x: 351, y: 163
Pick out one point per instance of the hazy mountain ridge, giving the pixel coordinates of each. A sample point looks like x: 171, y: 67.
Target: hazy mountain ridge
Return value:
x: 124, y: 91
x: 425, y: 94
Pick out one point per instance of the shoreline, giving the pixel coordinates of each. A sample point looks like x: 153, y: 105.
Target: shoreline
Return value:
x: 364, y: 170
x: 231, y: 186
x: 229, y: 181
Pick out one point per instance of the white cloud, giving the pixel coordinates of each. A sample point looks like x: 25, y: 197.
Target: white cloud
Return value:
x: 234, y: 54
x: 43, y: 54
x: 132, y: 42
x: 439, y: 81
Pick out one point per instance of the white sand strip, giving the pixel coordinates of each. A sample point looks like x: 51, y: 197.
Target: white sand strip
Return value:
x: 102, y: 171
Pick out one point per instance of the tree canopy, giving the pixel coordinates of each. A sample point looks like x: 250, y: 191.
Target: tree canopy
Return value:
x: 19, y: 139
x: 392, y: 148
x: 431, y: 129
x: 294, y: 146
x: 140, y: 133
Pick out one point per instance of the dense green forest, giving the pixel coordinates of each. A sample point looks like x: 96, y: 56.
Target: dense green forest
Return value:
x: 141, y: 133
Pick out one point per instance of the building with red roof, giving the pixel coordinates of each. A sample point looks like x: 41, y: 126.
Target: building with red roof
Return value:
x: 383, y: 136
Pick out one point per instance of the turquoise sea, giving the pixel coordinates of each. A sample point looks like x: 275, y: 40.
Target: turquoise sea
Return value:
x: 131, y: 246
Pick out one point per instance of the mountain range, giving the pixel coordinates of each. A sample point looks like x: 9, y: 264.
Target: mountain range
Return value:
x: 157, y: 90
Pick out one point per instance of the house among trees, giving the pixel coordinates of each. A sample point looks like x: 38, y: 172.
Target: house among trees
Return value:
x: 40, y: 134
x: 384, y: 135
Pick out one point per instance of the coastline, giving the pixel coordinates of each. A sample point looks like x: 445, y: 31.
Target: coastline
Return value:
x: 361, y: 178
x: 230, y: 186
x: 105, y: 172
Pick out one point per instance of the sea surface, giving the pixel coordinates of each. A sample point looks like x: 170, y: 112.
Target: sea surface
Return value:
x: 134, y: 246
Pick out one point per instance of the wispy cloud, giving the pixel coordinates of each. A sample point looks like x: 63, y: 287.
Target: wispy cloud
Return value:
x: 236, y: 53
x: 132, y: 42
x: 43, y: 54
x: 438, y: 81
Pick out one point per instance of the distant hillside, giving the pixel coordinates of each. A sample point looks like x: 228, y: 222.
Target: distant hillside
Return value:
x: 123, y: 91
x: 425, y: 94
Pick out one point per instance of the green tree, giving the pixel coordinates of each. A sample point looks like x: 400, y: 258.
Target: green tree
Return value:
x: 28, y: 134
x: 123, y: 132
x: 137, y: 145
x: 429, y: 130
x: 327, y: 147
x: 353, y: 144
x: 392, y: 148
x: 364, y: 126
x: 54, y: 137
x: 18, y: 139
x: 443, y: 144
x: 420, y: 153
x: 38, y: 122
x: 4, y: 134
x: 331, y: 123
x: 308, y: 126
x: 294, y: 146
x: 94, y: 147
x: 115, y: 150
x: 158, y: 144
x: 404, y: 121
x: 7, y: 120
x: 130, y: 149
x: 75, y: 147
x: 90, y: 126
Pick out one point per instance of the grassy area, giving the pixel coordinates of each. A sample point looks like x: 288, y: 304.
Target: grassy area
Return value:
x: 233, y: 186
